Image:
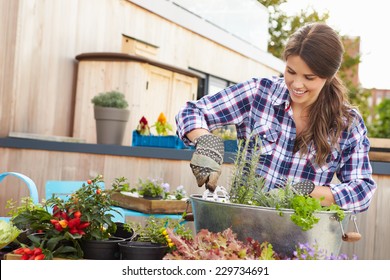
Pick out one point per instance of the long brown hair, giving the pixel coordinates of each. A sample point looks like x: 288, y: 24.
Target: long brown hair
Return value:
x: 322, y: 50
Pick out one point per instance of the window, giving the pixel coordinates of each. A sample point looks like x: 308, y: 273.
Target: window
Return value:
x: 209, y: 84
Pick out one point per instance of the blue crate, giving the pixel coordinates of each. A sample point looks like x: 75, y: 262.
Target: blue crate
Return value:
x: 170, y: 141
x: 230, y: 146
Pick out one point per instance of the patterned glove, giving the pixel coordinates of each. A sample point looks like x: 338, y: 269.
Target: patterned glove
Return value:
x: 304, y: 187
x: 207, y: 159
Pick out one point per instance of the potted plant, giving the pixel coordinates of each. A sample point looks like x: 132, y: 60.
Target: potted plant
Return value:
x: 80, y: 227
x: 111, y: 115
x: 142, y: 135
x: 225, y: 245
x: 264, y: 213
x: 151, y: 188
x: 151, y: 240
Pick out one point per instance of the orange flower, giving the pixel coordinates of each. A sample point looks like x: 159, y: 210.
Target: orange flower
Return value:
x: 161, y: 118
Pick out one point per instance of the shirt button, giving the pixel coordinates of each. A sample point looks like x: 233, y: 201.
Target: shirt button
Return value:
x: 264, y: 136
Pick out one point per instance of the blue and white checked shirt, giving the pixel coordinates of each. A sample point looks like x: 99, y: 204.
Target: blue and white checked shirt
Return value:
x: 262, y: 107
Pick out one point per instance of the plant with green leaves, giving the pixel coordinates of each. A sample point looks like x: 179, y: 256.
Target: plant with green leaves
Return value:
x: 247, y: 188
x: 112, y: 99
x: 151, y: 188
x: 154, y: 230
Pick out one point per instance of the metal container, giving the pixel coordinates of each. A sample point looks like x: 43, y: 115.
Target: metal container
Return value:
x: 269, y: 224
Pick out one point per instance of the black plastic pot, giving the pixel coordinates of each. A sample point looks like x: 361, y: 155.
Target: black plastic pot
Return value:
x: 137, y: 250
x: 101, y: 249
x: 122, y: 232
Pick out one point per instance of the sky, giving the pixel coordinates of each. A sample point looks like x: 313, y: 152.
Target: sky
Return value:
x: 368, y: 19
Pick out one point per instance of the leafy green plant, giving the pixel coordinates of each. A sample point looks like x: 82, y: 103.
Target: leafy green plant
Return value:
x: 155, y: 230
x: 95, y: 207
x: 150, y: 188
x: 8, y: 233
x: 248, y: 188
x: 112, y: 99
x: 26, y: 203
x: 121, y: 184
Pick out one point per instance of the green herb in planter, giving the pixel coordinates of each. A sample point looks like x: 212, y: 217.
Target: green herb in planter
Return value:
x: 248, y: 188
x: 112, y: 99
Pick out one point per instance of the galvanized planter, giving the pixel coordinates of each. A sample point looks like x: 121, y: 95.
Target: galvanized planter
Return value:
x: 267, y: 224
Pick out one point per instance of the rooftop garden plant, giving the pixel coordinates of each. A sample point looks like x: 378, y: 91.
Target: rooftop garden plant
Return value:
x: 112, y: 99
x: 248, y: 188
x: 224, y: 245
x: 143, y: 127
x: 61, y: 224
x: 163, y: 128
x: 155, y: 230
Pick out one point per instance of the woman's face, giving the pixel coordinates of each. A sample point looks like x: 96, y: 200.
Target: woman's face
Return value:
x: 304, y: 86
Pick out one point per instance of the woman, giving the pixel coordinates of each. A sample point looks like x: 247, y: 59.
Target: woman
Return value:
x: 308, y: 130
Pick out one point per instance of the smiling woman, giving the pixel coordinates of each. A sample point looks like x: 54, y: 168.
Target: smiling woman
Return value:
x: 365, y: 21
x: 308, y: 131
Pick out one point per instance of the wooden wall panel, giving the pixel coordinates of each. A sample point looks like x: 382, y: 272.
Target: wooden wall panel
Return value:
x: 44, y: 37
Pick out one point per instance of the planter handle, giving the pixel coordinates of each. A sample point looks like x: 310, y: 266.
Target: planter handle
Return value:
x: 351, y: 236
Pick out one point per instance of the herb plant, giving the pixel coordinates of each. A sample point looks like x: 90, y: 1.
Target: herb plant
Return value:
x: 112, y: 99
x: 248, y: 188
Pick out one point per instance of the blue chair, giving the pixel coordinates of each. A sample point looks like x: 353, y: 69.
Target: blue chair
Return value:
x: 63, y: 189
x: 30, y: 184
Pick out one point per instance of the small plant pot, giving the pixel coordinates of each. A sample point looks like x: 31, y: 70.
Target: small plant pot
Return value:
x: 110, y: 125
x: 101, y: 249
x: 123, y: 233
x: 137, y: 250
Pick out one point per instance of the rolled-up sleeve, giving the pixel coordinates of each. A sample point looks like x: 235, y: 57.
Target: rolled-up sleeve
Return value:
x: 355, y: 174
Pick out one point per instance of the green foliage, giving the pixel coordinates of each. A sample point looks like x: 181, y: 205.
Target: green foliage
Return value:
x: 381, y: 124
x: 162, y: 126
x: 26, y: 204
x: 8, y: 233
x: 304, y: 208
x: 281, y: 26
x: 248, y: 188
x: 154, y: 230
x: 94, y: 205
x: 112, y: 99
x: 245, y: 181
x: 120, y: 184
x: 150, y: 188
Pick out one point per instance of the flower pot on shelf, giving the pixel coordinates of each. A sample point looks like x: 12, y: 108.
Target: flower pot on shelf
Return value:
x: 110, y: 124
x: 140, y: 250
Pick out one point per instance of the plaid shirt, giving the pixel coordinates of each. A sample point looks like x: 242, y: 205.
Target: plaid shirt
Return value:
x: 262, y: 107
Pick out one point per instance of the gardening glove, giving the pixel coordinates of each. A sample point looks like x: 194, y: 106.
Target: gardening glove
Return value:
x: 207, y: 159
x: 304, y: 187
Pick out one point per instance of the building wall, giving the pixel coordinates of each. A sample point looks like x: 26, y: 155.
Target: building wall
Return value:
x: 42, y: 39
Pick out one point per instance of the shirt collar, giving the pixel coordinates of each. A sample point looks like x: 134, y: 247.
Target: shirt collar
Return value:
x: 281, y: 94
